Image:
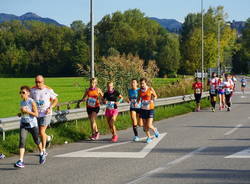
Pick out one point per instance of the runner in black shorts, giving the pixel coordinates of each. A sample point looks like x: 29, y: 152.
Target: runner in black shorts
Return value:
x: 135, y: 108
x: 91, y: 96
x: 197, y: 87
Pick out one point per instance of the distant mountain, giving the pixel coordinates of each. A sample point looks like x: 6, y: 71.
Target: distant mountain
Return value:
x: 27, y: 16
x: 171, y: 25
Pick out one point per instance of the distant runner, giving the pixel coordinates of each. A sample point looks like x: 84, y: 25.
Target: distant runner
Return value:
x: 221, y: 93
x: 92, y: 96
x: 243, y: 85
x: 112, y: 98
x: 228, y: 86
x: 135, y: 108
x: 28, y: 124
x: 147, y: 96
x: 213, y: 84
x: 197, y: 87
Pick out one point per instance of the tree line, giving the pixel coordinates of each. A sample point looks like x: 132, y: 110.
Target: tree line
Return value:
x: 31, y: 47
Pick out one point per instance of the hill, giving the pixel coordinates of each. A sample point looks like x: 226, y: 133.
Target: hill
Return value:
x: 27, y: 16
x: 171, y: 25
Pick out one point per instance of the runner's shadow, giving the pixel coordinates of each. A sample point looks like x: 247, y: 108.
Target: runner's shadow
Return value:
x: 206, y: 126
x: 243, y: 103
x: 219, y: 174
x: 8, y: 169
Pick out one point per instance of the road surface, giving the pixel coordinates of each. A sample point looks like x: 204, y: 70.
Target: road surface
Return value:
x: 202, y: 148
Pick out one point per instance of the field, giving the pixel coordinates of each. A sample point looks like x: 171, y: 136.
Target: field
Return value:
x: 70, y: 88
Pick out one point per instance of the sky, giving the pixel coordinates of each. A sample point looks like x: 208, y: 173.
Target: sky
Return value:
x: 66, y: 11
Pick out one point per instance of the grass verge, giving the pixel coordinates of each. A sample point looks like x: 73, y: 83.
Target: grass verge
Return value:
x: 80, y: 130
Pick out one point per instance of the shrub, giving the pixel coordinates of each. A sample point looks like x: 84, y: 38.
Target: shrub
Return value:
x: 121, y: 69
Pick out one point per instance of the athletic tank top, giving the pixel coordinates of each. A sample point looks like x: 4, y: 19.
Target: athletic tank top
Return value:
x: 146, y: 99
x: 93, y: 101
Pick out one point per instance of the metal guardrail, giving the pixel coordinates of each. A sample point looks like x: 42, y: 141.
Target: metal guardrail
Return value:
x: 13, y: 123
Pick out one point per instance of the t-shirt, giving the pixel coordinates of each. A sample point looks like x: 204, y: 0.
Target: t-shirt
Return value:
x: 228, y: 85
x: 213, y: 83
x: 43, y: 98
x: 26, y: 119
x: 197, y: 86
x: 133, y: 95
x: 243, y: 82
x: 111, y: 97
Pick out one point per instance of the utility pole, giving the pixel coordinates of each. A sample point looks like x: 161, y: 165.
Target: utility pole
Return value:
x: 202, y: 44
x: 92, y: 64
x: 218, y: 63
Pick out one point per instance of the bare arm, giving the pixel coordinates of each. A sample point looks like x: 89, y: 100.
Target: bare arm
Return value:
x: 154, y: 94
x: 84, y: 98
x: 34, y: 111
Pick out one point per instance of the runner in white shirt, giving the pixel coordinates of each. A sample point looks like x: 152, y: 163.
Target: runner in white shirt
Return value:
x: 228, y: 86
x: 45, y: 99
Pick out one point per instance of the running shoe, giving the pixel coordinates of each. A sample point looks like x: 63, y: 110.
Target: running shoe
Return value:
x: 49, y: 140
x: 97, y: 135
x: 213, y: 109
x: 45, y: 153
x: 92, y: 137
x: 228, y: 109
x: 19, y: 164
x: 114, y: 138
x: 149, y: 140
x: 2, y: 156
x: 42, y: 158
x: 157, y: 134
x: 136, y: 139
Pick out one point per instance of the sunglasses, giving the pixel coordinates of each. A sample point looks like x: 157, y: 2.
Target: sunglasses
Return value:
x: 22, y: 92
x: 38, y: 81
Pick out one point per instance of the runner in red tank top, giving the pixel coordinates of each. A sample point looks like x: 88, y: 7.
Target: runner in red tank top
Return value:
x: 197, y: 87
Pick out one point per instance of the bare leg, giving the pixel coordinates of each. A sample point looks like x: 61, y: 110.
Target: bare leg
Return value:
x: 43, y: 135
x: 92, y: 119
x: 21, y: 154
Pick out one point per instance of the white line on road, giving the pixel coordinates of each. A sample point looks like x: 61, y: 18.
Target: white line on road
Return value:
x: 90, y: 152
x: 242, y: 154
x: 233, y: 130
x: 167, y: 166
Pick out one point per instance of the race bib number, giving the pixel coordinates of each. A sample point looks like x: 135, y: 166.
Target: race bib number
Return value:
x: 228, y: 92
x: 212, y: 91
x: 243, y: 84
x: 133, y: 103
x: 145, y: 104
x: 198, y: 91
x: 40, y: 103
x: 92, y: 102
x: 110, y: 105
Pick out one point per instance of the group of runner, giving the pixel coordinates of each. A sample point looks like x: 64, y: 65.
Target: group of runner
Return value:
x: 36, y: 113
x: 141, y: 107
x: 37, y: 103
x: 223, y: 87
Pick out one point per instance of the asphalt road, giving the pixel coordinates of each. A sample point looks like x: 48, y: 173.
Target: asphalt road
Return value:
x: 192, y: 149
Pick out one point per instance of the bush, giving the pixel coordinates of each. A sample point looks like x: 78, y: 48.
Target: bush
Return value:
x: 121, y: 69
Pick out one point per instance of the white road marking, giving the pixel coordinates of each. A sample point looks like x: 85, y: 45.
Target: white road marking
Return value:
x: 233, y: 130
x: 167, y: 166
x: 90, y: 152
x: 242, y: 154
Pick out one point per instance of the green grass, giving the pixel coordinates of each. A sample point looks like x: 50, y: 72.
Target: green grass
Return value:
x: 68, y: 89
x: 80, y: 130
